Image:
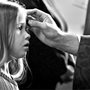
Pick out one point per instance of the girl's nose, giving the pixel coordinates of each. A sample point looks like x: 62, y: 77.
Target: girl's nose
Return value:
x: 27, y: 35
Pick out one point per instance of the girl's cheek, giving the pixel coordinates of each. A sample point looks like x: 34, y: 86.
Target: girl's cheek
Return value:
x: 18, y: 32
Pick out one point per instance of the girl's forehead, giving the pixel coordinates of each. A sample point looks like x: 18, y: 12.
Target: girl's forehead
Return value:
x: 21, y: 18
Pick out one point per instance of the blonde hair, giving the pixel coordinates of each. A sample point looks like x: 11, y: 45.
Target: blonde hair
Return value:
x: 8, y: 14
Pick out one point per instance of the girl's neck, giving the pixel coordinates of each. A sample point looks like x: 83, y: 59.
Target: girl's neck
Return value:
x: 12, y: 58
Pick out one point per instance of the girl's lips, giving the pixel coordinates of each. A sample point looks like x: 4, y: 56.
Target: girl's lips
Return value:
x: 26, y: 45
x: 26, y: 48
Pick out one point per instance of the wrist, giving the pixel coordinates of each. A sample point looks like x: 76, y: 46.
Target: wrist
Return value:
x: 67, y: 42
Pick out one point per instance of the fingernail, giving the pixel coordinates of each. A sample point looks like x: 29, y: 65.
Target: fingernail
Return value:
x: 31, y: 18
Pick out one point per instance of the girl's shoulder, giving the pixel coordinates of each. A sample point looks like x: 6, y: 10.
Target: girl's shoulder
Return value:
x: 2, y: 84
x: 7, y: 84
x: 2, y: 80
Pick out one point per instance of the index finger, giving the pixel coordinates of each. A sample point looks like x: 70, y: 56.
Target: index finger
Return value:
x: 37, y: 13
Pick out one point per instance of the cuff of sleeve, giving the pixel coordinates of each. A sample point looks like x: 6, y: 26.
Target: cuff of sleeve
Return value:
x: 79, y: 37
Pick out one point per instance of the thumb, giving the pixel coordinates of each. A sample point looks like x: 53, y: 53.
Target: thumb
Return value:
x: 37, y: 24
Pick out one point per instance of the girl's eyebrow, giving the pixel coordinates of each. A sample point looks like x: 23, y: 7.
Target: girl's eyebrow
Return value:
x: 23, y: 24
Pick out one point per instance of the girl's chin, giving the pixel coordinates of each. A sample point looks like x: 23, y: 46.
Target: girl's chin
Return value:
x: 18, y: 55
x: 23, y: 55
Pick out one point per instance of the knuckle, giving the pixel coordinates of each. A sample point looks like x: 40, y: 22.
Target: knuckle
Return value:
x: 35, y: 9
x: 49, y: 16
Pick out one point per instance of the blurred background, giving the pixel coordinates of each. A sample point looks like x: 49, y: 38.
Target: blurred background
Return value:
x: 74, y: 12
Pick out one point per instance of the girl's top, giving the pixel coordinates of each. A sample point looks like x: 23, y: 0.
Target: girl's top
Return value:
x: 6, y: 80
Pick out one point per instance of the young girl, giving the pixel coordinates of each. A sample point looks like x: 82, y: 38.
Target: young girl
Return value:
x: 14, y: 41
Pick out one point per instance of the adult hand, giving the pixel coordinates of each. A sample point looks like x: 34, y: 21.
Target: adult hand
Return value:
x: 48, y: 32
x: 43, y: 26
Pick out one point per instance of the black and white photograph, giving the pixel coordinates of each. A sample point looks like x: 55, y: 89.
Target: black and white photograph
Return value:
x: 44, y: 45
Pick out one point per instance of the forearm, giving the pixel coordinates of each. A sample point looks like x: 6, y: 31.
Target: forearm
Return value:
x: 67, y: 42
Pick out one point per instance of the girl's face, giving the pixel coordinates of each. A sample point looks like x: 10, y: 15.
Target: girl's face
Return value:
x: 21, y: 37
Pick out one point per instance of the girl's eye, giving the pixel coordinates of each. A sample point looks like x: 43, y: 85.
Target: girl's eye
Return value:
x: 20, y: 27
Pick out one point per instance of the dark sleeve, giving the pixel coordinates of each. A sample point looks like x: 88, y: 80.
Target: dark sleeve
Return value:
x: 82, y: 69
